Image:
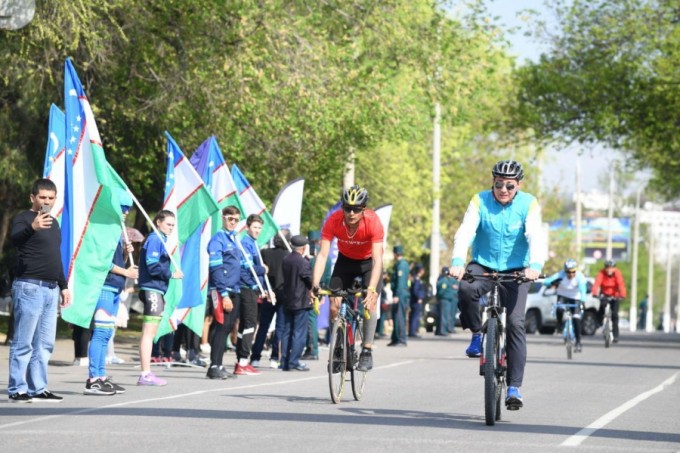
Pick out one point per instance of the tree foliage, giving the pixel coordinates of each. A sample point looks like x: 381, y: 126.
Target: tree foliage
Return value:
x: 290, y: 88
x: 610, y: 76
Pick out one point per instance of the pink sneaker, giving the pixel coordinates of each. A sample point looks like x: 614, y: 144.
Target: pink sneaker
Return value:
x: 156, y: 360
x: 245, y: 370
x: 151, y: 379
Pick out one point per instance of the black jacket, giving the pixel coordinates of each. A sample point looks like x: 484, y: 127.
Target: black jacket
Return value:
x: 297, y: 281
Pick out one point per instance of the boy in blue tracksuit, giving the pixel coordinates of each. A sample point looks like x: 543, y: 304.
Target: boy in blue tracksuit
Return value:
x: 250, y: 288
x: 106, y: 312
x: 224, y: 286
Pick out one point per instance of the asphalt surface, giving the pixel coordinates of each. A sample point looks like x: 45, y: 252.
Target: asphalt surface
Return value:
x: 427, y: 396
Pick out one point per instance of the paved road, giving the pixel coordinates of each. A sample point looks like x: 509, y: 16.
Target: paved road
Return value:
x: 427, y: 396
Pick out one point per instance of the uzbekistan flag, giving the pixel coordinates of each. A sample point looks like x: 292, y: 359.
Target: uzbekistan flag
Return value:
x: 253, y: 205
x: 55, y: 158
x: 91, y: 219
x: 187, y: 196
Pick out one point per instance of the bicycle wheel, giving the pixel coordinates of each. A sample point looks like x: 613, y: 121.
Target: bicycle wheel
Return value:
x: 500, y: 377
x: 569, y: 342
x: 358, y: 377
x: 337, y: 359
x: 606, y: 332
x: 490, y: 362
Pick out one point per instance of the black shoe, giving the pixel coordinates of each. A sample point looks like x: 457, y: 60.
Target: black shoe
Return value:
x: 578, y: 347
x: 218, y: 372
x: 98, y: 387
x: 119, y: 390
x: 615, y: 340
x: 20, y: 398
x: 47, y: 397
x: 310, y: 357
x: 365, y: 360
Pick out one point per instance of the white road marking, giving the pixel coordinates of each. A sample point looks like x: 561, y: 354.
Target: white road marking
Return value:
x: 180, y: 395
x: 579, y: 437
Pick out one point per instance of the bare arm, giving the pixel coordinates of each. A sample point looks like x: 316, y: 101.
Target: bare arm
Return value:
x: 320, y: 263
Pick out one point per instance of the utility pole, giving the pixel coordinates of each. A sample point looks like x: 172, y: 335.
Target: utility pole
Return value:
x: 610, y: 215
x: 677, y: 305
x: 436, y: 167
x: 579, y: 220
x: 650, y: 282
x: 636, y: 247
x: 667, y: 300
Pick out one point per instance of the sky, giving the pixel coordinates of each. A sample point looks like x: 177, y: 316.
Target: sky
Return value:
x: 558, y: 166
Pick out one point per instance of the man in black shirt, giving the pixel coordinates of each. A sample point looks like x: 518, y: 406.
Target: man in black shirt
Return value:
x: 39, y: 280
x: 297, y: 283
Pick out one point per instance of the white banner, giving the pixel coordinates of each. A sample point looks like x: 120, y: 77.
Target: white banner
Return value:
x: 287, y: 208
x: 384, y: 213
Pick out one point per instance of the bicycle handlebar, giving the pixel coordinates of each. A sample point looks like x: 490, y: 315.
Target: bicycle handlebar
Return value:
x: 500, y: 277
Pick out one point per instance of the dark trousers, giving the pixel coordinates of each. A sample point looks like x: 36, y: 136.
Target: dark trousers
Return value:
x: 165, y: 343
x: 615, y: 314
x: 514, y: 298
x: 444, y: 317
x: 295, y: 325
x: 219, y: 332
x: 81, y: 340
x: 186, y: 337
x: 267, y: 312
x: 414, y: 319
x: 399, y: 318
x: 247, y: 322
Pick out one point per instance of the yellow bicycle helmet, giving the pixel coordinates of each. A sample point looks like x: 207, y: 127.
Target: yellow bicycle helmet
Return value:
x: 355, y: 196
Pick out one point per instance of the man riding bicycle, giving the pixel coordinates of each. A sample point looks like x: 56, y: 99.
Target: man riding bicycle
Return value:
x: 504, y: 227
x: 360, y: 234
x: 609, y: 282
x: 570, y: 290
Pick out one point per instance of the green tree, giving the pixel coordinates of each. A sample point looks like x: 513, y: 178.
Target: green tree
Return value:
x: 610, y: 77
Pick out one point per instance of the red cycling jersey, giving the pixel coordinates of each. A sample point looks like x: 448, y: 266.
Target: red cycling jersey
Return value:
x: 611, y: 286
x: 359, y: 245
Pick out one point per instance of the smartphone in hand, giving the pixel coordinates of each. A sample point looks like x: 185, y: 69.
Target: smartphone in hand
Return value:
x: 45, y: 209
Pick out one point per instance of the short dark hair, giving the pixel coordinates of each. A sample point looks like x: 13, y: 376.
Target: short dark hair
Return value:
x: 252, y: 218
x: 43, y: 184
x: 231, y: 210
x: 278, y: 240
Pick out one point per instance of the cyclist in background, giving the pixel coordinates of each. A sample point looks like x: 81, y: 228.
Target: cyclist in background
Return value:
x: 504, y: 227
x: 360, y: 249
x: 571, y: 289
x: 609, y: 282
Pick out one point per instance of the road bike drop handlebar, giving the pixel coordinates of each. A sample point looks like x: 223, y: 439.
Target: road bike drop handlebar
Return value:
x: 339, y: 292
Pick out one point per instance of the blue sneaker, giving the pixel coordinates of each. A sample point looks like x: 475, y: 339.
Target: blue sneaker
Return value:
x: 513, y: 401
x: 475, y: 348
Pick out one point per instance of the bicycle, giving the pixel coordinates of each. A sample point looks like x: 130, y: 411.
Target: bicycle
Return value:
x: 346, y: 332
x: 492, y: 363
x: 607, y: 332
x: 568, y: 330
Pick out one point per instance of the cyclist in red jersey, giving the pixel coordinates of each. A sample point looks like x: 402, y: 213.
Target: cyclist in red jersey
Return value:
x: 360, y: 235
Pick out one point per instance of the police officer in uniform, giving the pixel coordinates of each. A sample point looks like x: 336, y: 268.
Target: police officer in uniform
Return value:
x: 401, y: 297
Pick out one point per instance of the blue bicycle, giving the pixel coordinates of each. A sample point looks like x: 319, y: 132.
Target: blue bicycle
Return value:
x: 568, y: 330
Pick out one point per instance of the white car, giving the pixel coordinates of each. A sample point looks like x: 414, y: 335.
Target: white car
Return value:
x: 540, y: 316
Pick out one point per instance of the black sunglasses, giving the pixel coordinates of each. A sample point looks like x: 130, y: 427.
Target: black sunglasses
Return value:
x: 354, y: 209
x: 508, y: 185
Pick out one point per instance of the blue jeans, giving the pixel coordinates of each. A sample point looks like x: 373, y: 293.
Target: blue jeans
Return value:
x: 293, y: 338
x: 35, y: 329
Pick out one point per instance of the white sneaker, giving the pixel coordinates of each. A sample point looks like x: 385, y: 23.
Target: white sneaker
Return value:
x: 115, y: 360
x: 81, y: 361
x: 255, y: 363
x: 273, y: 363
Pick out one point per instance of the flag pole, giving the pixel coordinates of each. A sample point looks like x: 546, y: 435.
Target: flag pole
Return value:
x: 250, y: 266
x: 272, y: 296
x: 282, y: 236
x: 153, y: 227
x: 127, y: 241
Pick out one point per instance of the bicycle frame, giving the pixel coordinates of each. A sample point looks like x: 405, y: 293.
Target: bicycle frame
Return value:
x: 607, y: 332
x: 346, y: 332
x: 568, y: 330
x: 493, y: 359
